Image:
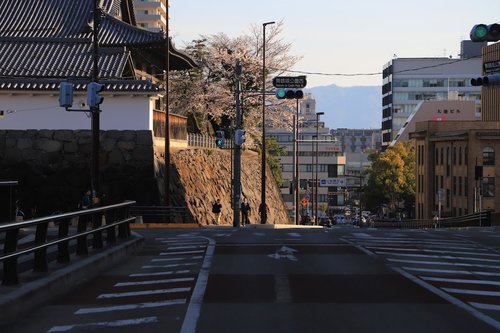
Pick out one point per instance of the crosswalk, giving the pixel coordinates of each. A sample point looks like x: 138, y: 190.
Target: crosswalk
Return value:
x: 463, y: 272
x: 157, y: 293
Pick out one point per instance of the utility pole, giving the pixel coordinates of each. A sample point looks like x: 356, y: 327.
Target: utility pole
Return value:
x: 237, y: 151
x: 296, y: 175
x: 95, y: 111
x: 166, y: 178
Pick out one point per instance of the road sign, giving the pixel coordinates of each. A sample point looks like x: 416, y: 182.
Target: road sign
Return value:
x: 289, y: 81
x: 332, y: 182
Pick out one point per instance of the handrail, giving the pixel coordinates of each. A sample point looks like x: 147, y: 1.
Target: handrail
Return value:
x: 115, y: 216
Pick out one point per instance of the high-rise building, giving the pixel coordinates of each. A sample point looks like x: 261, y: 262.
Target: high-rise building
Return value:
x: 408, y: 81
x: 151, y: 14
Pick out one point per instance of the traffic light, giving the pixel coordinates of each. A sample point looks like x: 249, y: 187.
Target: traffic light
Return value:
x: 219, y: 139
x: 93, y: 98
x: 485, y: 33
x: 282, y: 93
x: 488, y: 80
x: 239, y: 137
x: 66, y: 94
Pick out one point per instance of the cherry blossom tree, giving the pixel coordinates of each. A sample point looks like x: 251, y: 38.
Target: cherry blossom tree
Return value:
x: 207, y: 94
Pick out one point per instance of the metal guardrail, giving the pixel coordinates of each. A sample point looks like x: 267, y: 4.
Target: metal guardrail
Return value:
x: 482, y: 219
x: 162, y: 214
x: 115, y: 216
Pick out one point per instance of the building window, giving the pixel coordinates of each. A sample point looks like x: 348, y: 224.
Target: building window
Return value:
x: 460, y: 186
x: 488, y: 189
x: 437, y: 156
x: 460, y: 156
x: 466, y: 155
x: 466, y: 187
x: 454, y: 185
x: 488, y: 156
x: 441, y: 156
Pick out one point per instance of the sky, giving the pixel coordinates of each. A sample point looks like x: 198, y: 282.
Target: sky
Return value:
x: 341, y: 37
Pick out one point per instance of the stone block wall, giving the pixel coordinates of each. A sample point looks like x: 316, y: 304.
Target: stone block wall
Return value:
x: 53, y: 167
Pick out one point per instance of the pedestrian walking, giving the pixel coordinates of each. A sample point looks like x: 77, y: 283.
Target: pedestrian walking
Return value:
x: 217, y: 209
x: 86, y: 201
x: 245, y: 212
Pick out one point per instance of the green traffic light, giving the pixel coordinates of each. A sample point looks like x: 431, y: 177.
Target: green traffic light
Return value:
x: 280, y: 93
x: 481, y: 31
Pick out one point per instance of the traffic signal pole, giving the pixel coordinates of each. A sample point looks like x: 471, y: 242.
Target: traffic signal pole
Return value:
x: 237, y: 151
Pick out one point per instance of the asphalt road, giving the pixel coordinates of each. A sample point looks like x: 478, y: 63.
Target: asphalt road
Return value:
x: 290, y: 280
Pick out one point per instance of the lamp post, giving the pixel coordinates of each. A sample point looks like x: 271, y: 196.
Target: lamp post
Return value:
x: 313, y: 217
x: 166, y: 179
x: 263, y: 206
x: 316, y: 178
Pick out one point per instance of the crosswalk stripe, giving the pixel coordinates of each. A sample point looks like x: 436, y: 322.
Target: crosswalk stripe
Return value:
x: 159, y: 273
x: 171, y: 265
x: 127, y: 307
x: 485, y: 306
x: 432, y: 251
x: 181, y: 252
x: 448, y: 271
x: 441, y: 263
x: 117, y: 323
x: 177, y: 259
x: 472, y: 292
x: 465, y: 281
x: 143, y: 283
x: 143, y: 293
x: 436, y: 256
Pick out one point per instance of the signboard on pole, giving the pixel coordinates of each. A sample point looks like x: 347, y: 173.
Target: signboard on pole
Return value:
x: 332, y: 182
x: 289, y: 81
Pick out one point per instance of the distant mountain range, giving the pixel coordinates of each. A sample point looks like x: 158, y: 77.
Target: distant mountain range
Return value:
x: 349, y: 107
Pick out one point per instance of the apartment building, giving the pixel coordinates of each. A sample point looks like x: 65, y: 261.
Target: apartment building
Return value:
x: 151, y: 15
x: 408, y: 81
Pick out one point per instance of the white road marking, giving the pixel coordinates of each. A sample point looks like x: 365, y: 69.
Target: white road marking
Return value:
x: 181, y: 252
x: 117, y: 323
x: 436, y: 256
x: 451, y: 299
x: 194, y: 307
x: 472, y: 292
x: 171, y: 265
x: 448, y: 271
x: 127, y: 307
x: 144, y: 293
x: 361, y: 234
x: 177, y: 259
x: 143, y: 283
x: 485, y: 306
x: 465, y: 281
x: 160, y: 273
x: 294, y: 234
x: 442, y: 263
x: 185, y: 247
x: 433, y: 251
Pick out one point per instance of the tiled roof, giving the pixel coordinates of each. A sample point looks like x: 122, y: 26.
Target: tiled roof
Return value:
x: 78, y: 85
x: 53, y: 39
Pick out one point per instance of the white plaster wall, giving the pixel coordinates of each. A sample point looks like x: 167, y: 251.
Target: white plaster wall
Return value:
x: 42, y: 111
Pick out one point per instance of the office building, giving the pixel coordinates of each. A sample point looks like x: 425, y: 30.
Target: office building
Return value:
x: 408, y: 81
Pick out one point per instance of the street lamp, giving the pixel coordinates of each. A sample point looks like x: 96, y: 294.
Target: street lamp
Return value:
x: 314, y: 138
x: 263, y: 207
x: 316, y: 178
